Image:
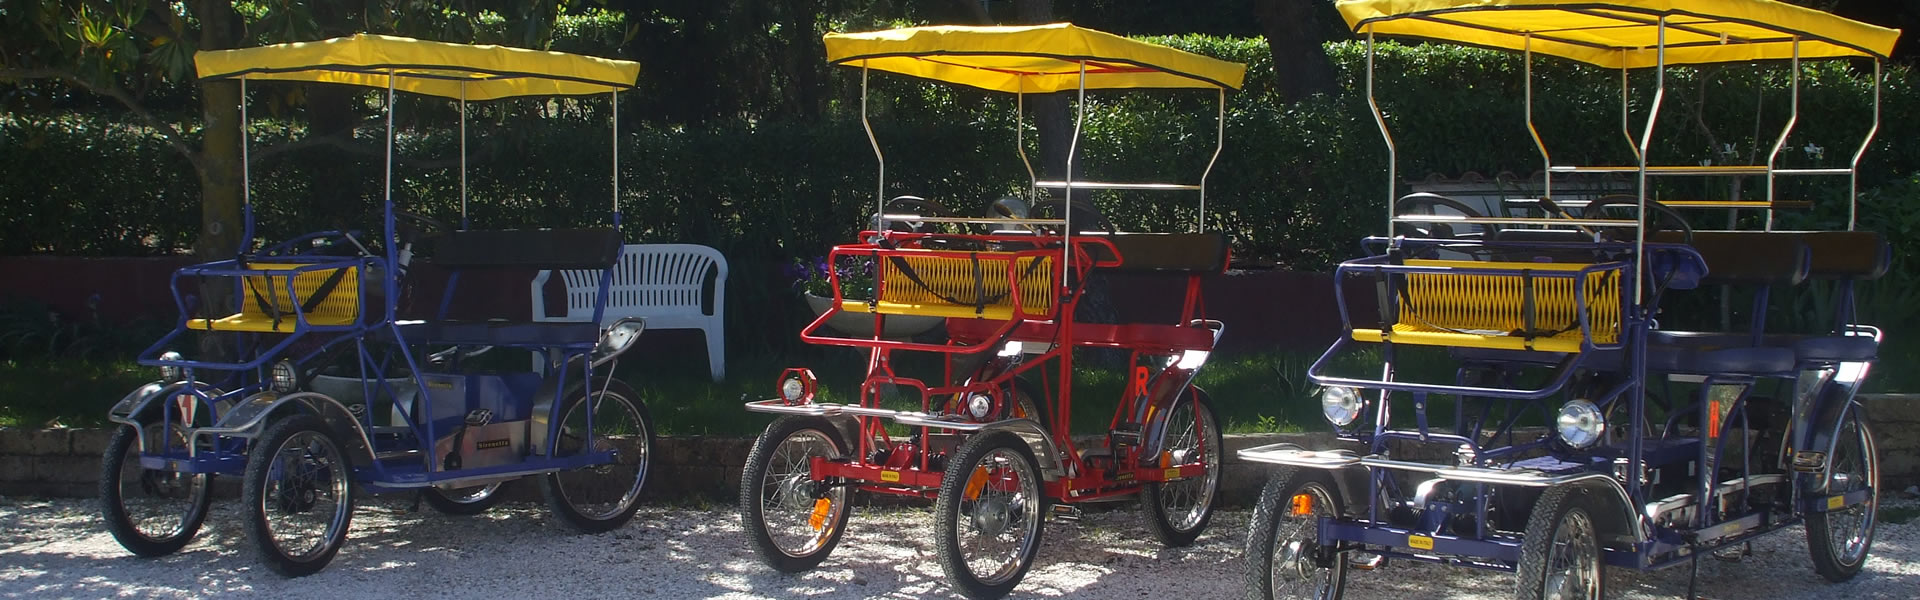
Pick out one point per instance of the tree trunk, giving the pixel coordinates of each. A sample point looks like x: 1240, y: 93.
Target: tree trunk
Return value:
x: 1051, y: 116
x: 221, y: 182
x: 1294, y: 35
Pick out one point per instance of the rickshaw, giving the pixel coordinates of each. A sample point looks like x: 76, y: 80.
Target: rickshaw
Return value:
x: 1584, y: 435
x: 990, y: 442
x: 325, y: 390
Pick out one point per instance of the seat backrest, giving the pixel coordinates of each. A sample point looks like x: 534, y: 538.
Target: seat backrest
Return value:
x: 1748, y: 257
x: 1171, y: 252
x: 1863, y: 255
x: 651, y: 279
x: 267, y: 294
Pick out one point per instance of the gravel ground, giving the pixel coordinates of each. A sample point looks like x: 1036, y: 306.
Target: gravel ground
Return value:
x: 53, y: 549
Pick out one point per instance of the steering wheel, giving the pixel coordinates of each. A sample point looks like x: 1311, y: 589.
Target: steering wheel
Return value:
x: 1425, y: 203
x: 1662, y: 218
x: 915, y: 205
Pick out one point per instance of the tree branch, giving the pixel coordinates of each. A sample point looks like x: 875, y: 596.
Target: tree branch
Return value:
x: 168, y: 132
x: 342, y: 141
x: 310, y: 141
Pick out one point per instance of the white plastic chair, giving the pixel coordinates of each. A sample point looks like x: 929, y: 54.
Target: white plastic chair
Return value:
x: 662, y: 283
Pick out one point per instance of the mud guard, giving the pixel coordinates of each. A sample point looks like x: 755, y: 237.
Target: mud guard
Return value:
x: 1051, y: 467
x: 249, y: 418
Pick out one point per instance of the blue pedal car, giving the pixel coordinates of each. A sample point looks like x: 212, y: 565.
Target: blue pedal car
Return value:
x: 310, y: 386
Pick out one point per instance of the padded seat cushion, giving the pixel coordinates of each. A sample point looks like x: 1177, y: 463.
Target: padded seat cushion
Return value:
x: 1709, y: 361
x: 1170, y: 252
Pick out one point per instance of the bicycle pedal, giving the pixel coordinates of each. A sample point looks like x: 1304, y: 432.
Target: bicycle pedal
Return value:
x: 1067, y: 512
x: 1365, y: 561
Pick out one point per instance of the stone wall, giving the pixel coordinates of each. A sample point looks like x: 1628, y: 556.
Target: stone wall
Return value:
x: 66, y: 462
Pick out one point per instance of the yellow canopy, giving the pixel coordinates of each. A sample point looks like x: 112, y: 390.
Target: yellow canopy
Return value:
x: 1623, y: 33
x: 1030, y: 58
x: 423, y: 67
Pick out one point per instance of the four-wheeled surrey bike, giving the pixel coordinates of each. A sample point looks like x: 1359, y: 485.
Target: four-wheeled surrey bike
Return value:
x: 990, y: 440
x: 1578, y: 432
x: 323, y: 389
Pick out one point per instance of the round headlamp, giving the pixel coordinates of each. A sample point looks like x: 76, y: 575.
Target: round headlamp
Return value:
x: 978, y: 405
x: 282, y: 378
x: 171, y: 373
x: 1341, y: 404
x: 792, y: 389
x: 1580, y: 424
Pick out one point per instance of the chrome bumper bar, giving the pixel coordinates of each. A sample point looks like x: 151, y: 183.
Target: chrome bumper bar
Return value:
x: 1294, y: 455
x: 827, y: 409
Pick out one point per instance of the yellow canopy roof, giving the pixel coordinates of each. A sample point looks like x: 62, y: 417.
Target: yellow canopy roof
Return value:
x: 1030, y: 58
x: 1623, y: 33
x: 423, y: 67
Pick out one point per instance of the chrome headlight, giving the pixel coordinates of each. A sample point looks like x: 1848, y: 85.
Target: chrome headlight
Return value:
x: 796, y: 386
x: 622, y: 334
x: 171, y: 373
x: 978, y: 405
x: 1580, y: 424
x: 283, y: 378
x: 792, y: 389
x: 1341, y: 404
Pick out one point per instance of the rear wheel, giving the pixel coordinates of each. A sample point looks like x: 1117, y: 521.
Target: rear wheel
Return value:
x: 151, y: 512
x: 794, y: 521
x: 1839, y: 539
x: 299, y: 495
x: 1177, y: 511
x: 987, y: 521
x: 1283, y: 557
x: 1560, y: 557
x: 601, y: 497
x: 464, y: 501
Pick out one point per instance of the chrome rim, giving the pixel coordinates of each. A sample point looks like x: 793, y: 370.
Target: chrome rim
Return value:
x: 1185, y: 502
x: 1573, y: 562
x: 470, y: 495
x: 1295, y: 571
x: 999, y: 516
x: 305, y: 500
x: 798, y: 520
x: 157, y: 503
x: 604, y: 491
x: 1849, y: 530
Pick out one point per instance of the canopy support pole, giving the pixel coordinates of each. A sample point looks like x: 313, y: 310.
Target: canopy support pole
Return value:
x: 387, y: 199
x: 1219, y: 143
x: 1546, y: 160
x: 464, y: 223
x: 880, y: 188
x: 1020, y: 137
x: 1853, y: 168
x: 1625, y: 128
x: 1646, y: 141
x: 615, y: 94
x: 1380, y: 120
x: 1793, y: 117
x: 246, y: 177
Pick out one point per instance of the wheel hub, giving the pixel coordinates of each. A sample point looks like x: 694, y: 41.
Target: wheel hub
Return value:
x: 797, y: 492
x: 992, y: 515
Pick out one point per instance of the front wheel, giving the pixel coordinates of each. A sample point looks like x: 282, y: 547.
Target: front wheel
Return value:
x: 794, y: 520
x: 1839, y: 539
x: 151, y: 512
x: 1560, y: 557
x: 299, y: 495
x: 987, y: 521
x: 1177, y: 511
x: 604, y: 496
x: 1284, y: 558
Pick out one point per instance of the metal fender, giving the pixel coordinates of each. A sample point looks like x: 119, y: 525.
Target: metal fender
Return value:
x: 1835, y: 405
x: 1160, y: 400
x: 545, y: 409
x: 249, y: 417
x: 137, y: 403
x: 1615, y: 517
x: 1038, y: 440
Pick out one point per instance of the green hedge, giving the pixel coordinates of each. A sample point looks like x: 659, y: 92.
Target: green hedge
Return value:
x: 1297, y: 185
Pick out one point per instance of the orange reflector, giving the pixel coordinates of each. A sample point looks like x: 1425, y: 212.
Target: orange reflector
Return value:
x: 1166, y: 459
x: 819, y: 519
x: 1713, y: 418
x: 975, y: 483
x: 1302, y: 505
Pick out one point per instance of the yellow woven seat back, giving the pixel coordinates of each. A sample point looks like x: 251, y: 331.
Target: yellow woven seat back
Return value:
x: 266, y: 305
x: 977, y: 283
x: 1446, y: 308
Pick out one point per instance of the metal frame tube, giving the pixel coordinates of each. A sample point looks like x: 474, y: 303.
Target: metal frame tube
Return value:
x: 463, y: 155
x: 1793, y: 118
x: 616, y: 156
x: 1073, y: 147
x: 1380, y: 120
x: 1853, y: 176
x: 1646, y: 140
x: 387, y: 194
x: 880, y: 187
x: 1626, y: 129
x: 1020, y: 136
x: 1546, y: 160
x: 246, y: 177
x: 1219, y: 143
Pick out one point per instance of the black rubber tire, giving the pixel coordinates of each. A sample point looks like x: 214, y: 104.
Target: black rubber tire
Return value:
x: 113, y: 507
x: 1827, y: 561
x: 1272, y: 511
x: 752, y: 493
x: 554, y: 491
x: 1558, y: 507
x: 1158, y: 520
x: 948, y: 520
x: 254, y: 494
x: 447, y: 504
